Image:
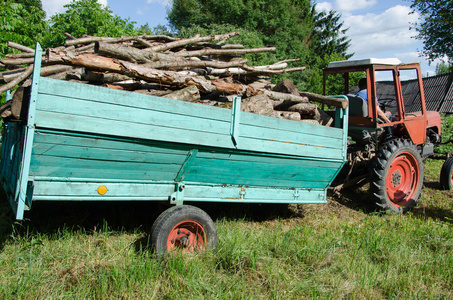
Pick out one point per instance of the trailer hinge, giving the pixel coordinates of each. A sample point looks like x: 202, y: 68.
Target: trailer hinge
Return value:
x: 296, y: 194
x: 178, y: 196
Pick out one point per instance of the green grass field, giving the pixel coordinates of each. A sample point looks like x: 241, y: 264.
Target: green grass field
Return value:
x: 343, y: 249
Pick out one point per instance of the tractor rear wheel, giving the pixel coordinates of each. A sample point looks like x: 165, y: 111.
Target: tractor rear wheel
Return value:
x: 397, y: 176
x: 446, y: 174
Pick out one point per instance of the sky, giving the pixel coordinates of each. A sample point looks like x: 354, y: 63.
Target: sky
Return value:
x: 378, y: 29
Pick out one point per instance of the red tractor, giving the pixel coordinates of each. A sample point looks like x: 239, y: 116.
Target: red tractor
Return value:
x: 388, y: 150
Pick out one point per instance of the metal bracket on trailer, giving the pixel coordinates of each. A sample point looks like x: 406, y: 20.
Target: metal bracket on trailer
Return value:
x: 178, y: 196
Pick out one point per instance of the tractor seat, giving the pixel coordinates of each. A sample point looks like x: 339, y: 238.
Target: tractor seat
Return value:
x: 358, y: 107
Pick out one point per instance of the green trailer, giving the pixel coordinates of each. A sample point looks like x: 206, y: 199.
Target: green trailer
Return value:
x: 88, y: 143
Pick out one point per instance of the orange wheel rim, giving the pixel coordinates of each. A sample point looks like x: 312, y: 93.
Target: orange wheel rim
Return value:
x: 187, y: 236
x: 402, y: 179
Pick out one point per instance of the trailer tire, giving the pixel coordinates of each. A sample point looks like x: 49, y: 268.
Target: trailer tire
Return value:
x: 183, y: 227
x: 397, y: 176
x: 446, y: 174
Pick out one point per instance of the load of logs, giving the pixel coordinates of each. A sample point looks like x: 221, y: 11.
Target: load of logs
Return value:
x: 199, y: 69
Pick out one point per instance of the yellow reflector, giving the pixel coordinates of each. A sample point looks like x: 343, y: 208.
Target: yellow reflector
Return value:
x: 102, y: 190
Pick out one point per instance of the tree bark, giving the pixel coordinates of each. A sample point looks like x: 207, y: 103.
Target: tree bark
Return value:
x: 18, y: 61
x: 20, y: 47
x: 337, y: 102
x: 304, y: 108
x: 285, y: 97
x: 189, y: 94
x: 17, y: 80
x: 272, y: 72
x: 45, y: 71
x: 101, y: 77
x: 132, y: 54
x: 192, y: 40
x: 207, y: 52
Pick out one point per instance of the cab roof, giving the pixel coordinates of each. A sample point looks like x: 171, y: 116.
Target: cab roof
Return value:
x: 364, y: 62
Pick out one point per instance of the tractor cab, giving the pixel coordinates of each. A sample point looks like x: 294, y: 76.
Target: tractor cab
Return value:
x: 386, y: 89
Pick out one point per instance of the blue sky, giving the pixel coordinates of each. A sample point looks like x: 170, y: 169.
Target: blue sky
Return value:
x: 376, y: 28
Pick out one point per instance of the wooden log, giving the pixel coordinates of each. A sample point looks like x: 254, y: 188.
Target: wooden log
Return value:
x: 286, y: 86
x: 144, y: 42
x: 154, y: 58
x: 87, y: 60
x: 45, y: 71
x: 92, y: 39
x: 272, y: 72
x: 21, y: 55
x: 16, y: 103
x: 132, y: 54
x: 216, y: 52
x: 100, y: 77
x: 189, y: 94
x: 6, y: 75
x: 304, y: 108
x: 216, y: 46
x: 324, y: 119
x: 195, y: 39
x: 258, y: 104
x: 180, y: 65
x: 17, y: 80
x: 337, y: 102
x: 160, y: 37
x: 70, y: 36
x: 5, y: 110
x: 285, y: 97
x: 20, y: 47
x: 17, y: 61
x: 289, y: 115
x: 96, y: 62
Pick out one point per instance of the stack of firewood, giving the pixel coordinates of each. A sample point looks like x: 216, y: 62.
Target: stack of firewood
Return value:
x: 198, y: 69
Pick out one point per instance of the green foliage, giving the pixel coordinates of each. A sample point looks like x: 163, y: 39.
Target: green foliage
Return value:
x: 447, y: 135
x: 435, y: 27
x: 444, y: 68
x: 248, y: 38
x: 87, y: 17
x: 293, y: 26
x: 329, y: 36
x: 21, y: 21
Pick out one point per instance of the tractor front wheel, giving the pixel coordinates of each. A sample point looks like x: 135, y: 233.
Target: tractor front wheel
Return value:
x: 446, y: 174
x: 397, y: 176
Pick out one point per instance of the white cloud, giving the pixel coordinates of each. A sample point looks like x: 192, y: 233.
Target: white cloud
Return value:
x: 163, y: 2
x: 324, y: 6
x: 389, y: 31
x: 350, y: 5
x: 52, y: 7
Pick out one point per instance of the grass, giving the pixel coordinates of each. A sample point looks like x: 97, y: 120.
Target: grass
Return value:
x: 341, y: 250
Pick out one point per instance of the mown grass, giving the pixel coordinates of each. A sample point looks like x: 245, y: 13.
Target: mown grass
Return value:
x: 341, y: 250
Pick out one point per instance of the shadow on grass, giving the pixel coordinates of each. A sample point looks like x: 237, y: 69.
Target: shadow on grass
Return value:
x: 359, y: 199
x: 49, y: 218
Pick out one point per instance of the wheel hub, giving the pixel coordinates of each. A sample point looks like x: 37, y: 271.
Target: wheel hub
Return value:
x: 187, y: 235
x: 396, y: 178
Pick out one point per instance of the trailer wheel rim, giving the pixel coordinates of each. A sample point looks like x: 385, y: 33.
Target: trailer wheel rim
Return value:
x: 402, y: 179
x: 187, y: 236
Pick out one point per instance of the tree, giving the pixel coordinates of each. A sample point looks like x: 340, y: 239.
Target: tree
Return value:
x: 328, y: 43
x: 329, y: 36
x: 293, y: 26
x: 90, y: 18
x: 435, y: 27
x: 443, y: 68
x: 21, y: 21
